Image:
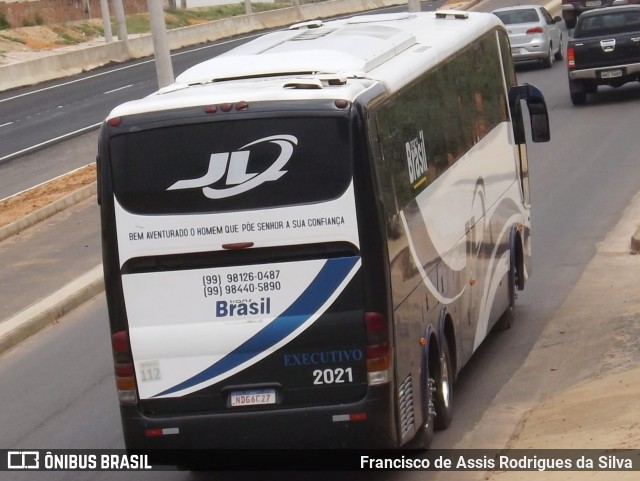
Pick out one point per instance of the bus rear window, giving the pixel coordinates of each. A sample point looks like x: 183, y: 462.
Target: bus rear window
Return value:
x: 231, y: 165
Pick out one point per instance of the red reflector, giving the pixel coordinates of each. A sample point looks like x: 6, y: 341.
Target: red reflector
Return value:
x: 124, y: 369
x: 120, y: 341
x: 533, y: 30
x: 358, y: 417
x: 237, y: 245
x: 226, y: 107
x: 377, y: 329
x: 152, y: 433
x: 375, y: 321
x: 211, y: 109
x: 342, y: 104
x: 115, y: 121
x: 242, y: 105
x: 377, y: 350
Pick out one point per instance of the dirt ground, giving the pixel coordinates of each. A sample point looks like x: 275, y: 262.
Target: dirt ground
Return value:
x: 601, y: 414
x: 26, y: 43
x: 17, y: 206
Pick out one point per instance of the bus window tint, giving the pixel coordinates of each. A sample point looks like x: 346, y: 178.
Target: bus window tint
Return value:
x: 452, y: 110
x: 147, y: 163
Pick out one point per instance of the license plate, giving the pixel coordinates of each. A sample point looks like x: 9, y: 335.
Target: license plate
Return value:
x: 593, y: 3
x: 256, y: 397
x: 611, y: 73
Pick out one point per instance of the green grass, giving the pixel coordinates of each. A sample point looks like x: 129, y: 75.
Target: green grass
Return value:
x: 66, y: 39
x: 90, y: 30
x: 139, y: 23
x: 4, y: 23
x: 32, y: 22
x: 77, y: 32
x: 12, y: 39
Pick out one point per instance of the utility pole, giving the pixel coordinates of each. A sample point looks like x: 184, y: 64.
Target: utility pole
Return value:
x: 247, y: 7
x: 106, y: 21
x: 296, y: 3
x: 164, y: 69
x: 86, y: 5
x: 414, y: 5
x: 121, y: 23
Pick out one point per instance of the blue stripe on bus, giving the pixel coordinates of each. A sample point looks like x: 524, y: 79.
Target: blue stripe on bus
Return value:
x: 306, y: 305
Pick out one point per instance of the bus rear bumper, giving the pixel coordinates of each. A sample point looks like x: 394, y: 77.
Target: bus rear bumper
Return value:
x: 365, y: 424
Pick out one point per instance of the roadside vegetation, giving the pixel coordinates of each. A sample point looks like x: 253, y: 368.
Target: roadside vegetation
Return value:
x: 35, y: 34
x: 4, y: 23
x: 177, y: 18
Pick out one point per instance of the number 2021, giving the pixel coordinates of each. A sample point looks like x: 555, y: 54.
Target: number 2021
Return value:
x: 332, y: 376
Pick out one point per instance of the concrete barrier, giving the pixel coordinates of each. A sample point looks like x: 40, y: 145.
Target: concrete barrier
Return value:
x: 71, y: 63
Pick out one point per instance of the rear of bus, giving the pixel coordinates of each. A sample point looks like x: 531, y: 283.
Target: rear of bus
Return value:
x: 243, y: 311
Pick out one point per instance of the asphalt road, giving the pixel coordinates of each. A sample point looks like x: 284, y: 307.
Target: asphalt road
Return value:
x: 34, y: 116
x: 58, y: 387
x: 72, y: 109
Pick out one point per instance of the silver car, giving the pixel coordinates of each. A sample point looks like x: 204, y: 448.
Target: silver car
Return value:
x: 534, y: 34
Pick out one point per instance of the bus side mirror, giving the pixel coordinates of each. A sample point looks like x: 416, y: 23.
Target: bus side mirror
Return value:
x: 540, y: 131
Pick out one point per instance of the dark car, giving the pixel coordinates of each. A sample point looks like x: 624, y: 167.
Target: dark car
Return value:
x: 604, y: 50
x: 571, y: 9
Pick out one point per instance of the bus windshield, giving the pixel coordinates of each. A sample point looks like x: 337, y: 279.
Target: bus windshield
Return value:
x: 237, y: 165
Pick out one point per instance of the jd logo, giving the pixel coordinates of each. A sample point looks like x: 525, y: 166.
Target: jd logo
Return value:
x: 238, y: 179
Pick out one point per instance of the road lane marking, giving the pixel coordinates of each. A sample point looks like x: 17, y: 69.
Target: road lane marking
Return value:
x: 119, y: 88
x: 71, y: 82
x: 50, y: 141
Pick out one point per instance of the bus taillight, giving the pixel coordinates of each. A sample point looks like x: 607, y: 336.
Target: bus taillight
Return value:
x: 123, y: 366
x: 378, y: 349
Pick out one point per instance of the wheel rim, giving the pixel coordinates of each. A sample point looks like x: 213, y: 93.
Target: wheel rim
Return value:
x: 430, y: 408
x: 444, y: 382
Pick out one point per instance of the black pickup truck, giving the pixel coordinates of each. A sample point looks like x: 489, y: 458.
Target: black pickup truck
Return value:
x: 604, y: 50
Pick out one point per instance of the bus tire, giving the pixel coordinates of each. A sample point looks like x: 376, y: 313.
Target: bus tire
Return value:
x: 425, y: 433
x: 506, y: 320
x: 443, y: 396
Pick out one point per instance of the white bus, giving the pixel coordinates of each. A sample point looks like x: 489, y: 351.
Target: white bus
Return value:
x: 306, y: 238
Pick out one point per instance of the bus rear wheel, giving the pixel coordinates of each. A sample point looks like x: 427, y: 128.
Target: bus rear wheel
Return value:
x: 507, y: 318
x: 425, y: 433
x: 443, y: 396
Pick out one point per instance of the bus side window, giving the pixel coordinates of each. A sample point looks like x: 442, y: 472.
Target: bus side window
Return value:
x: 385, y: 179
